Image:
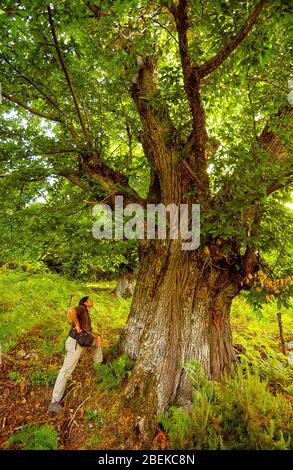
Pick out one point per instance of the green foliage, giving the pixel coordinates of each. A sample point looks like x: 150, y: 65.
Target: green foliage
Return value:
x: 35, y: 298
x: 61, y: 232
x: 109, y: 376
x: 176, y: 422
x: 239, y: 413
x: 42, y: 377
x: 43, y: 152
x: 257, y: 331
x: 15, y: 376
x: 249, y: 410
x: 97, y: 417
x: 35, y: 437
x: 92, y: 441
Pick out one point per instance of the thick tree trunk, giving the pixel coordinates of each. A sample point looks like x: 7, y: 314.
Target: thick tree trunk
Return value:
x: 180, y: 311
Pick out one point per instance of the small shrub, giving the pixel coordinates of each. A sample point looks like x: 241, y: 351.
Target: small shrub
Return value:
x: 35, y: 437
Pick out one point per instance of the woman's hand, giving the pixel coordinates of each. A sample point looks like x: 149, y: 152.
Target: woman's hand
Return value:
x: 98, y: 339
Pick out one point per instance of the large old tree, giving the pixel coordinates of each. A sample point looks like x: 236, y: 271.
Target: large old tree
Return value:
x: 171, y: 101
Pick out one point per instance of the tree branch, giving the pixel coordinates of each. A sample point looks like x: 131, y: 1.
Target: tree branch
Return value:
x: 164, y: 27
x: 219, y: 58
x: 16, y: 100
x: 32, y: 83
x: 112, y: 181
x: 275, y: 186
x: 95, y: 9
x: 67, y: 76
x: 198, y: 139
x: 277, y: 153
x: 158, y: 129
x: 180, y: 13
x: 74, y: 179
x: 271, y: 141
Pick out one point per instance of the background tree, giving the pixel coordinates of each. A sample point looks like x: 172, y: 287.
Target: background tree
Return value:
x: 167, y: 101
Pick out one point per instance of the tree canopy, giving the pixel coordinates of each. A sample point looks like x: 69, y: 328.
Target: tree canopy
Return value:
x: 91, y: 90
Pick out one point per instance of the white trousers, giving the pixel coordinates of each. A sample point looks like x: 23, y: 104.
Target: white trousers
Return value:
x: 73, y: 353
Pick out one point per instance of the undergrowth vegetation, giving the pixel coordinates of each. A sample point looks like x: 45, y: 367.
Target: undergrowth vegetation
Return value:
x: 250, y: 409
x: 109, y: 376
x: 34, y: 437
x: 239, y: 413
x: 31, y: 302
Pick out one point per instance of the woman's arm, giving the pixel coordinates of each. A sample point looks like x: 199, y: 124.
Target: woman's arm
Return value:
x: 73, y: 316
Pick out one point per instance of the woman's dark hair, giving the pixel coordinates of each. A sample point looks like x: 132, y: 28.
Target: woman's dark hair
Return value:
x: 83, y: 300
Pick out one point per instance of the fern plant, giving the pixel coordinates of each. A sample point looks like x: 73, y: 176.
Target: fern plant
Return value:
x: 177, y: 423
x: 35, y: 437
x: 238, y: 413
x: 109, y: 376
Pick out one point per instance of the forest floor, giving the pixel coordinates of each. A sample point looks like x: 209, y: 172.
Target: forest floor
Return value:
x: 33, y: 321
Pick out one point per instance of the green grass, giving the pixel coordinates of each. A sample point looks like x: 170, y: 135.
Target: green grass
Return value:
x: 259, y: 331
x: 15, y: 376
x: 92, y: 441
x: 97, y: 418
x: 40, y: 300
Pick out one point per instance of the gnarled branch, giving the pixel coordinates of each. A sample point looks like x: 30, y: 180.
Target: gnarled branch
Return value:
x: 144, y: 89
x: 112, y: 181
x: 275, y: 186
x: 74, y: 179
x: 271, y: 141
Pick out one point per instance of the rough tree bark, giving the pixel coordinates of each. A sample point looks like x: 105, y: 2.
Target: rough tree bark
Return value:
x: 180, y: 311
